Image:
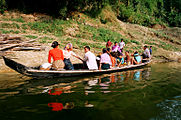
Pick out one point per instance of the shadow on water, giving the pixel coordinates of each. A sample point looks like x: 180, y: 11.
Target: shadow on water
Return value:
x: 142, y: 94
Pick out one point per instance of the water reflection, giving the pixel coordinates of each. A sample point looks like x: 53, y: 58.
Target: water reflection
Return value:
x: 107, y: 83
x: 142, y: 94
x: 99, y: 84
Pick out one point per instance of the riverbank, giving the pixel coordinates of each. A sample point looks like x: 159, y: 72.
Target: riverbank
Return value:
x: 83, y: 30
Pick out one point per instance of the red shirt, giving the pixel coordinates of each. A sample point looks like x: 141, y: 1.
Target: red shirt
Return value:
x: 56, y: 53
x: 109, y: 43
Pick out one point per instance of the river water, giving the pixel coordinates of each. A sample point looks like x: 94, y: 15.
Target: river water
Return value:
x: 150, y: 93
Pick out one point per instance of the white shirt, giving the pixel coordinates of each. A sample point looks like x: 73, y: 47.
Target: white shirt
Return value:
x: 147, y: 52
x: 90, y: 59
x: 121, y: 45
x: 67, y: 54
x: 105, y: 58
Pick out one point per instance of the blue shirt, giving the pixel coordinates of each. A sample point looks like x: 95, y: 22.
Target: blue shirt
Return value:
x: 137, y: 57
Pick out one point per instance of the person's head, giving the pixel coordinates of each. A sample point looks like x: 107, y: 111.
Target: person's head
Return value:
x: 115, y: 43
x: 120, y: 54
x: 145, y: 47
x: 127, y: 53
x: 104, y: 50
x: 108, y: 50
x: 136, y: 53
x: 150, y: 46
x: 55, y: 44
x: 121, y: 39
x: 86, y: 48
x: 108, y: 40
x: 113, y: 54
x: 68, y: 46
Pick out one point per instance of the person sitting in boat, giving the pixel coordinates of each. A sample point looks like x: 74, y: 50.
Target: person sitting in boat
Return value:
x: 120, y: 60
x: 105, y: 61
x: 127, y: 58
x: 57, y: 56
x: 113, y: 59
x: 90, y: 59
x: 146, y: 53
x: 136, y: 58
x: 67, y: 52
x: 116, y: 48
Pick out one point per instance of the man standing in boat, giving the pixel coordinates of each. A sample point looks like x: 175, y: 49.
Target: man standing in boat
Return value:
x: 90, y: 59
x: 146, y: 53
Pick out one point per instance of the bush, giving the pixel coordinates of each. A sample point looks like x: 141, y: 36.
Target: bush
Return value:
x: 2, y: 6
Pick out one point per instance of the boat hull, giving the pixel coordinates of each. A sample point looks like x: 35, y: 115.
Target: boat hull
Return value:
x: 35, y: 73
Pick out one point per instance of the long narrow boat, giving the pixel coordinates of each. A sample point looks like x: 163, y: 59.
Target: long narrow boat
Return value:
x: 36, y: 73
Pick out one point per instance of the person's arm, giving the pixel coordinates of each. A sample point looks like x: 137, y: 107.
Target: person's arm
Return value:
x: 49, y: 57
x: 85, y: 58
x: 62, y: 57
x: 119, y: 50
x: 100, y: 66
x: 73, y: 54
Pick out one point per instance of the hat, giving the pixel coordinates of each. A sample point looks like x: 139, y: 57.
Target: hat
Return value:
x: 55, y: 44
x: 68, y: 46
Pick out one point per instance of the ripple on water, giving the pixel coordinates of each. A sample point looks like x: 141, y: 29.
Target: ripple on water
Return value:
x: 170, y: 109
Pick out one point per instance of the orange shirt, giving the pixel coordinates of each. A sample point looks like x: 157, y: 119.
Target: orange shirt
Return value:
x: 113, y: 60
x: 56, y: 53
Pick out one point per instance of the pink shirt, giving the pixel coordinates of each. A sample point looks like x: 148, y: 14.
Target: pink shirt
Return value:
x: 105, y: 58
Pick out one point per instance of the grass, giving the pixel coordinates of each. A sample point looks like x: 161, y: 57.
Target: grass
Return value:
x: 93, y: 34
x: 136, y: 42
x: 10, y: 31
x: 31, y: 36
x: 167, y: 46
x: 46, y: 40
x: 10, y: 25
x: 18, y: 20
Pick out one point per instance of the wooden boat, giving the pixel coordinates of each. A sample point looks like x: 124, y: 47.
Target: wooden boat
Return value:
x: 36, y: 73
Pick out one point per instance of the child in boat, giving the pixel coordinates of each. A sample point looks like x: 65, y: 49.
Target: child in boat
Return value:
x: 67, y: 52
x: 136, y: 58
x: 120, y: 60
x: 57, y: 56
x: 127, y: 58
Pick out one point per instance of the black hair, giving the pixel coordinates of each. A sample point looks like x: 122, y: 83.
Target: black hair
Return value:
x: 127, y: 51
x: 87, y: 47
x: 108, y: 49
x: 150, y: 46
x: 115, y: 42
x: 104, y: 50
x: 119, y: 54
x: 114, y: 54
x: 136, y: 52
x: 145, y: 46
x: 121, y: 39
x: 54, y: 44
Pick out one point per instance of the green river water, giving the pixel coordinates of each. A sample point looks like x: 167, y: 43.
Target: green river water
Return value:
x: 150, y: 93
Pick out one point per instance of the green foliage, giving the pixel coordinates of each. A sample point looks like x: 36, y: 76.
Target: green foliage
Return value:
x: 9, y: 25
x: 46, y: 27
x: 9, y: 31
x: 19, y: 20
x: 31, y: 36
x: 2, y: 6
x: 143, y: 12
x: 45, y: 40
